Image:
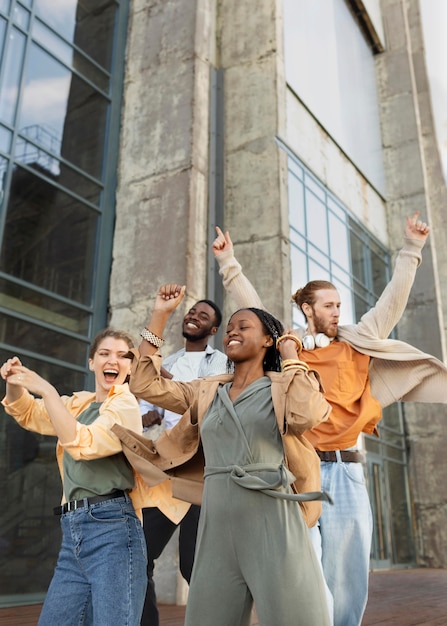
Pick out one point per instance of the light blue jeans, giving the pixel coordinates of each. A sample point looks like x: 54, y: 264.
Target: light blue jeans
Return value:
x: 344, y: 540
x: 100, y: 576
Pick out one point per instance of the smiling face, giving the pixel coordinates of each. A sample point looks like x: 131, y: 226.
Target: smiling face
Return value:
x: 324, y: 314
x: 245, y: 337
x: 200, y: 322
x: 110, y: 365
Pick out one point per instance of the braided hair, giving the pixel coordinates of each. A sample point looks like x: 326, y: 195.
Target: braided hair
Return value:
x: 272, y: 327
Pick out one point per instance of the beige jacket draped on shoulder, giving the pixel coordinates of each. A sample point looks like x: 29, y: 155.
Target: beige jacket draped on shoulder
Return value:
x: 298, y: 404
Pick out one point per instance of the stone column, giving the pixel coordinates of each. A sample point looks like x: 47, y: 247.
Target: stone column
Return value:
x: 161, y: 216
x: 162, y: 195
x: 415, y: 182
x: 250, y: 48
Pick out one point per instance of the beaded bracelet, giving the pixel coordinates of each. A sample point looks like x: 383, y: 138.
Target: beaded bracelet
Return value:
x: 152, y: 338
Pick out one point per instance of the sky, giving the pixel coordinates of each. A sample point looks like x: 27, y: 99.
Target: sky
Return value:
x: 434, y: 21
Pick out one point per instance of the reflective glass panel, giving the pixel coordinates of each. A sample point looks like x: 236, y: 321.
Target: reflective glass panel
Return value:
x: 296, y: 199
x: 316, y: 222
x: 392, y: 418
x: 11, y: 75
x: 88, y: 24
x: 5, y: 139
x: 30, y: 481
x: 69, y: 115
x: 49, y: 39
x: 338, y: 236
x: 47, y: 342
x: 60, y: 48
x: 5, y: 6
x: 31, y: 484
x: 379, y: 268
x: 21, y: 17
x: 2, y: 35
x: 3, y: 168
x: 28, y: 152
x: 40, y: 306
x: 402, y: 525
x: 49, y: 238
x: 45, y: 99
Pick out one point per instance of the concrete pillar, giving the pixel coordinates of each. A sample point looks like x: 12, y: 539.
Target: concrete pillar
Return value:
x: 414, y: 182
x: 250, y: 51
x: 162, y: 195
x: 161, y: 225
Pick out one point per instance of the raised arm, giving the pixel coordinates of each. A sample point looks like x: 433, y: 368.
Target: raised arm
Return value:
x: 19, y: 378
x: 383, y: 317
x: 167, y: 300
x: 416, y: 229
x: 235, y: 282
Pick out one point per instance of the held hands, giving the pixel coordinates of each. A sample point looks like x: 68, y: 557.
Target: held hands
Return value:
x: 19, y: 376
x: 222, y: 242
x: 415, y: 229
x: 7, y: 370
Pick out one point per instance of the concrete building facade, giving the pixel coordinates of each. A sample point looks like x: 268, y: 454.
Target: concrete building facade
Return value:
x: 208, y: 125
x: 306, y: 130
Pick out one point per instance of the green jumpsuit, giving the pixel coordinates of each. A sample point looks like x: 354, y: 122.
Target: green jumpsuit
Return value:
x: 251, y: 546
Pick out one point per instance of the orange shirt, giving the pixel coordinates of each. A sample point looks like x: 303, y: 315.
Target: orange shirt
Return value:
x: 344, y: 374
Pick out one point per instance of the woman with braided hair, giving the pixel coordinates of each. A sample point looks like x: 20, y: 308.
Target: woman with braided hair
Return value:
x: 252, y: 546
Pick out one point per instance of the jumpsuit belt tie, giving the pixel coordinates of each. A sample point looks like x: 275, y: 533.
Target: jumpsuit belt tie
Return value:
x: 273, y: 478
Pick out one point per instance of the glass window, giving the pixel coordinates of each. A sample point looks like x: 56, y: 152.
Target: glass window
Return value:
x: 3, y: 167
x: 10, y: 78
x: 337, y: 80
x: 5, y: 139
x: 64, y: 51
x: 2, y: 34
x: 89, y: 25
x: 45, y: 97
x: 328, y: 243
x: 316, y: 221
x: 29, y: 337
x: 30, y: 482
x: 58, y: 313
x: 39, y: 148
x: 72, y: 114
x: 49, y: 238
x: 338, y: 237
x: 55, y: 240
x: 21, y: 17
x: 5, y: 6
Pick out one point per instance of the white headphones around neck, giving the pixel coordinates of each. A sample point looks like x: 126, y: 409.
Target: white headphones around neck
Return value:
x: 319, y: 341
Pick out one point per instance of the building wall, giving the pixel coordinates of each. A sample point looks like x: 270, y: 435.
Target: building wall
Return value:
x: 164, y: 225
x: 415, y: 182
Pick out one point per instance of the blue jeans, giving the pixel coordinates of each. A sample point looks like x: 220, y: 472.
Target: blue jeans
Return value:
x: 345, y: 536
x: 100, y: 576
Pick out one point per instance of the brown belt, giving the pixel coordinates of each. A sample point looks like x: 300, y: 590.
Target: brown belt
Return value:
x: 347, y: 456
